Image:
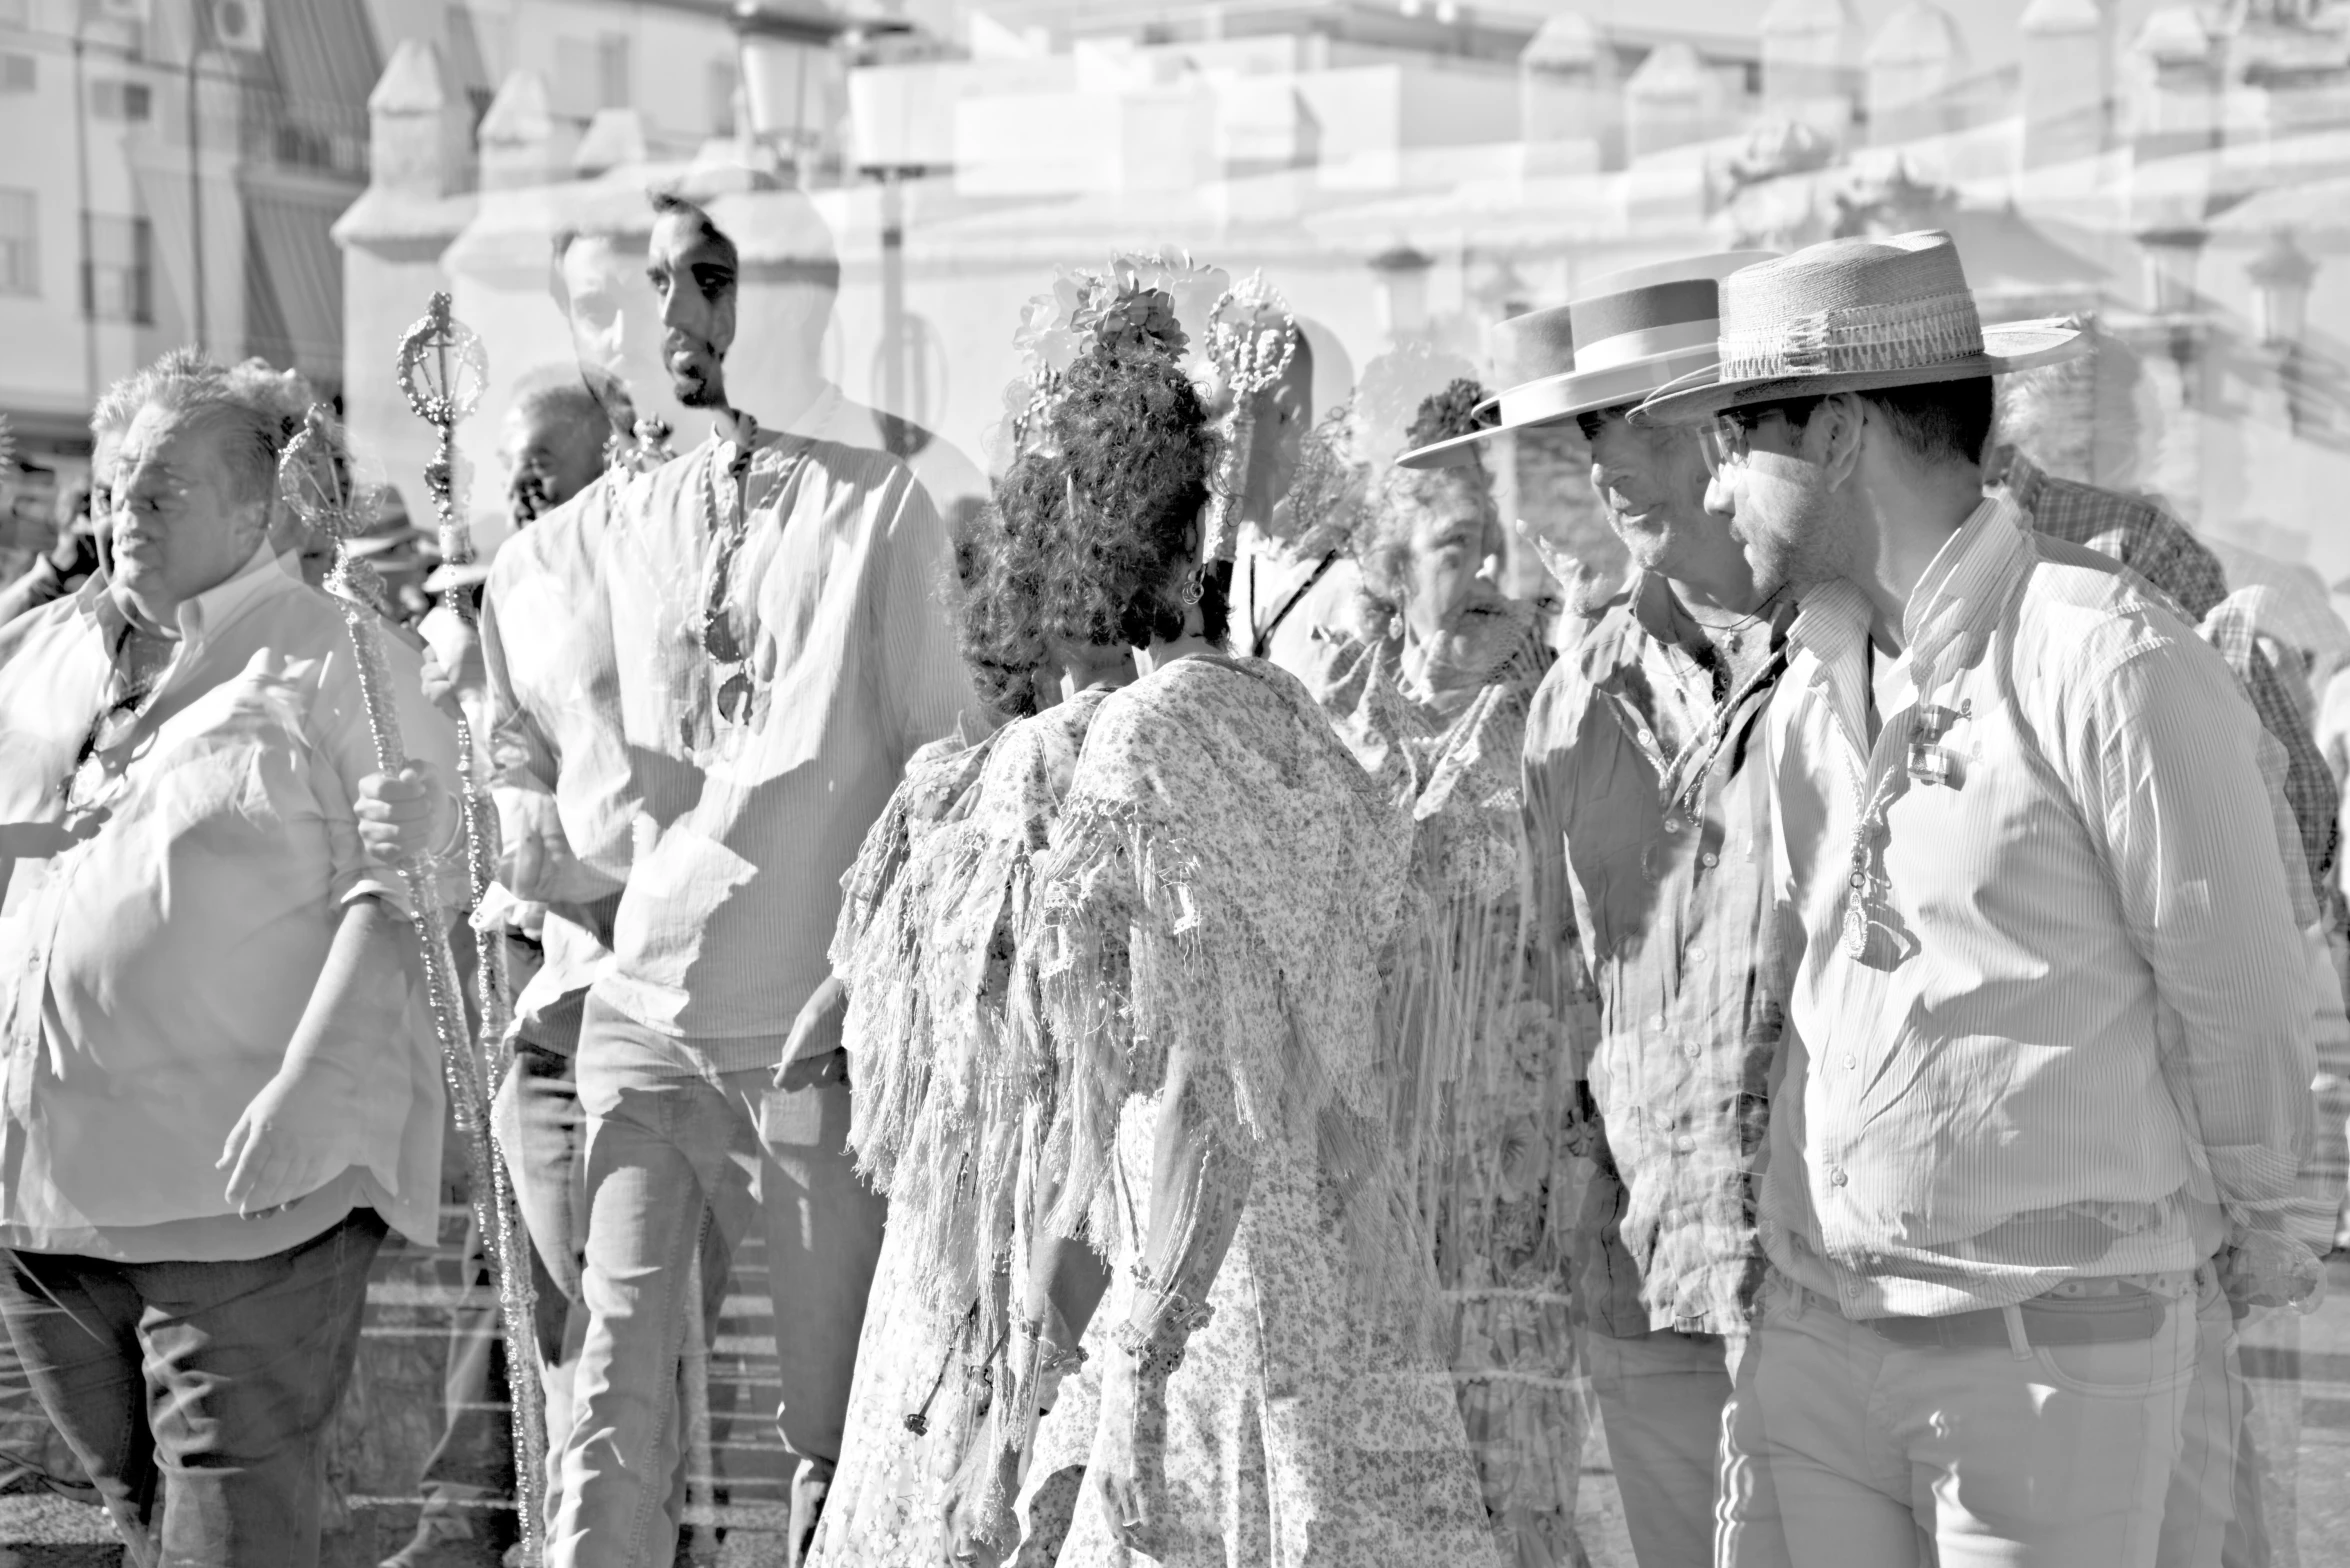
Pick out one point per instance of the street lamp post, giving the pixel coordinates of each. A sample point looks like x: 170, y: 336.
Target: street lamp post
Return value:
x: 789, y: 48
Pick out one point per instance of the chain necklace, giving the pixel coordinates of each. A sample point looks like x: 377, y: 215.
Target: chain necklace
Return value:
x: 730, y: 524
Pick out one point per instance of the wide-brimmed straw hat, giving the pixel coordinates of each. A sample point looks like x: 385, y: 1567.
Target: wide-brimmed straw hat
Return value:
x: 1855, y: 316
x: 1627, y: 334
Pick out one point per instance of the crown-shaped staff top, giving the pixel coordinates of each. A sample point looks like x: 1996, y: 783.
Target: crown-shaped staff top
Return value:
x: 1252, y: 337
x: 316, y: 479
x: 443, y: 368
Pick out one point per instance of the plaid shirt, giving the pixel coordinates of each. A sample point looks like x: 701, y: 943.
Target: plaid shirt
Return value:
x: 2155, y: 545
x: 1648, y: 818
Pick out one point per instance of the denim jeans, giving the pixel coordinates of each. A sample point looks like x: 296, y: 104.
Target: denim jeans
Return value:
x: 680, y: 1164
x: 1844, y: 1449
x: 215, y: 1379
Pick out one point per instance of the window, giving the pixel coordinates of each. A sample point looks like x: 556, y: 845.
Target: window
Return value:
x: 612, y: 72
x: 118, y: 269
x: 591, y: 74
x: 20, y: 242
x: 18, y: 73
x: 723, y: 76
x: 112, y: 99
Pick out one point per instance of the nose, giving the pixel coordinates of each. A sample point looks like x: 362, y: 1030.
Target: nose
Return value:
x: 1719, y: 499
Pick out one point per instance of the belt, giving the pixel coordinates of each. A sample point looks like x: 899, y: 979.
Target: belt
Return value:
x: 2125, y: 1316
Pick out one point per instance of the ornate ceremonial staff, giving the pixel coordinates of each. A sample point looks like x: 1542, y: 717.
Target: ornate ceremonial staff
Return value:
x: 1251, y: 339
x: 442, y: 372
x: 319, y: 487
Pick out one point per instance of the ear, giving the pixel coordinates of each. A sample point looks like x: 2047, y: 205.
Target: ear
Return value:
x: 1837, y: 432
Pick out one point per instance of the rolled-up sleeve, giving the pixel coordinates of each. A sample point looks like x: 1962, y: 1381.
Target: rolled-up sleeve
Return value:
x: 342, y: 738
x: 2170, y: 780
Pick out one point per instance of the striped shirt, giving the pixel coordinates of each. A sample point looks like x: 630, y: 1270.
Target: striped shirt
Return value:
x: 2051, y: 1012
x: 750, y: 781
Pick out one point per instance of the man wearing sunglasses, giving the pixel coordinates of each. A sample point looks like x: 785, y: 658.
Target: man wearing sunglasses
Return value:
x: 221, y: 1088
x: 2056, y: 969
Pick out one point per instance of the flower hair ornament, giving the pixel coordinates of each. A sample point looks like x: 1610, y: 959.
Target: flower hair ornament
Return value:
x: 1252, y: 340
x: 1140, y: 303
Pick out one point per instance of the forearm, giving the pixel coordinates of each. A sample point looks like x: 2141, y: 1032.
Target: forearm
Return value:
x: 1199, y: 1187
x: 358, y: 989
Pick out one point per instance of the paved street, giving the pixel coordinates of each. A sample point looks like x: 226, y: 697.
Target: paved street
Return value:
x: 383, y: 1437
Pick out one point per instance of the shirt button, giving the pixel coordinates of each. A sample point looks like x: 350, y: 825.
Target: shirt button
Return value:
x: 1672, y: 824
x: 1696, y: 950
x: 1836, y: 1177
x: 1662, y: 1022
x: 1685, y: 1143
x: 1852, y: 1064
x: 1647, y: 737
x: 1690, y: 1050
x: 1709, y: 859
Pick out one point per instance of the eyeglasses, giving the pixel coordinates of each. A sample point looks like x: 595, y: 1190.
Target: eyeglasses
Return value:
x: 102, y: 765
x: 1728, y: 439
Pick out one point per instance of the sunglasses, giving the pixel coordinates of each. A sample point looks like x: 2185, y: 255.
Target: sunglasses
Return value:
x: 1728, y: 438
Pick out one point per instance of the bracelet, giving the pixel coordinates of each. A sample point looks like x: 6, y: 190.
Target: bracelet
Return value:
x: 1051, y: 1360
x: 1152, y: 1355
x: 1174, y: 1309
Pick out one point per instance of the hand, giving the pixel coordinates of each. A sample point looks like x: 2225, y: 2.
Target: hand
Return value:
x: 1128, y: 1455
x: 816, y: 1032
x: 981, y: 1529
x: 535, y: 859
x: 2267, y: 1268
x: 289, y: 1142
x: 406, y: 815
x: 450, y: 688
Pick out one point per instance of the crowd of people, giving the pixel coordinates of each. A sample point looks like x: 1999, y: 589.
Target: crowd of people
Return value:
x: 1246, y: 1021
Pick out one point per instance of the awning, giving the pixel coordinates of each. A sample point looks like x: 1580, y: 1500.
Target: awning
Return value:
x: 294, y: 283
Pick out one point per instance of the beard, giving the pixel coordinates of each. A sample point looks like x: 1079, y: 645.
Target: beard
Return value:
x: 1798, y: 544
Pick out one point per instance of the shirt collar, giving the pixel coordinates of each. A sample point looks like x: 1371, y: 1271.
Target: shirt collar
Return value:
x: 208, y: 611
x: 1963, y: 577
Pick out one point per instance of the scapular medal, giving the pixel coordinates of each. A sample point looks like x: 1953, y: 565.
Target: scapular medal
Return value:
x: 1856, y: 912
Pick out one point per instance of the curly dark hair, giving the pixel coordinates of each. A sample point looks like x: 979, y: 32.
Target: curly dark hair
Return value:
x: 1090, y: 530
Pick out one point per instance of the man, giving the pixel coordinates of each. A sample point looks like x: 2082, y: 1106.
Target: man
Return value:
x: 757, y: 642
x: 1649, y: 827
x: 788, y: 285
x: 553, y: 447
x: 2051, y: 1015
x: 220, y: 1089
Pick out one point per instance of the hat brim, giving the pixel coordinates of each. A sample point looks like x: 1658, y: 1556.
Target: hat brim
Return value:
x: 1556, y: 399
x: 2022, y: 345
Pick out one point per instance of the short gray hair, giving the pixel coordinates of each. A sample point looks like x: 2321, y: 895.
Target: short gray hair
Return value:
x: 254, y: 409
x: 564, y: 394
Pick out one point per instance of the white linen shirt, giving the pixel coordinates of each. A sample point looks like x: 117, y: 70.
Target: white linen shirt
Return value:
x: 2079, y: 1028
x: 732, y: 842
x: 155, y: 968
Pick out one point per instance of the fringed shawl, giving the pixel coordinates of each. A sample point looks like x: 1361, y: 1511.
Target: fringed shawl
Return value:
x: 1223, y: 876
x: 1481, y: 1073
x: 942, y: 1086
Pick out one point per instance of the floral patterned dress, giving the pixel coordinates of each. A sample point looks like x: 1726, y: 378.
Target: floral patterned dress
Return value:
x: 940, y: 1081
x: 1225, y: 877
x: 1483, y: 1082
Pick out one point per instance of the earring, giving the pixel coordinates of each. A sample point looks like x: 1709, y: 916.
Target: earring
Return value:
x: 1395, y: 628
x: 1194, y: 586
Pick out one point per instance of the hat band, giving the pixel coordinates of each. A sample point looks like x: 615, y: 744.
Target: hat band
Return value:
x: 1557, y: 397
x: 1646, y: 343
x: 1905, y: 336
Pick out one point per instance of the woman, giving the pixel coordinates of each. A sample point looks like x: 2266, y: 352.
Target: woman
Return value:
x: 1432, y: 696
x: 1220, y: 890
x: 946, y: 1068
